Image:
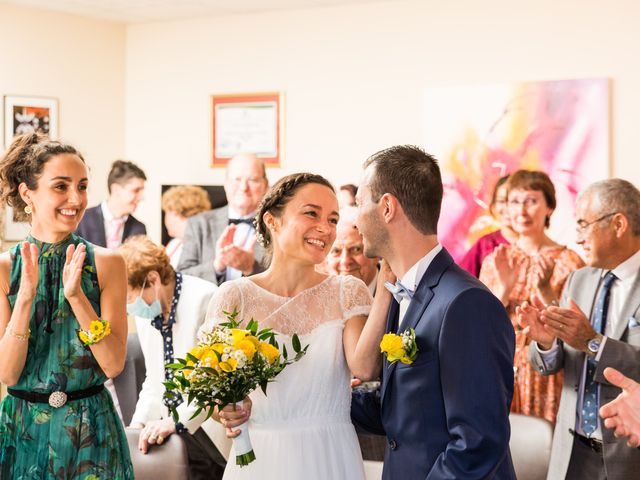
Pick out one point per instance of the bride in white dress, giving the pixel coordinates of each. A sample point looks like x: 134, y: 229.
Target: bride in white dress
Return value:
x: 302, y: 428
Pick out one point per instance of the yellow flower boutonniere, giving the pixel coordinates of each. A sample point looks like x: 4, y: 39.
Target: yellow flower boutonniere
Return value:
x: 401, y: 347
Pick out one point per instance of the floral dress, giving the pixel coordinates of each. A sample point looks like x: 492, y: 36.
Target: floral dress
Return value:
x: 84, y: 439
x: 533, y: 394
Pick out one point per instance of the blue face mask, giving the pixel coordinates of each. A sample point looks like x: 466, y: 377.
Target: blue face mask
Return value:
x: 140, y: 308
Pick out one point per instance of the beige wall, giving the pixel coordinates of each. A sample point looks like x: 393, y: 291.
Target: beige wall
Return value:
x: 82, y: 63
x: 78, y: 61
x: 354, y: 75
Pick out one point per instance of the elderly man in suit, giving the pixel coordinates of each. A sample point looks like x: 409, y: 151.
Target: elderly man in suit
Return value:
x: 446, y: 415
x: 111, y: 222
x: 346, y: 256
x: 596, y: 326
x: 220, y: 244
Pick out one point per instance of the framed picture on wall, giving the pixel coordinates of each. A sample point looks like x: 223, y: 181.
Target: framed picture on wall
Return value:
x: 247, y: 123
x: 14, y: 229
x: 24, y: 114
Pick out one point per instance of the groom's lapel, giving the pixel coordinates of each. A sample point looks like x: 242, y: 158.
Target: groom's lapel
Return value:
x: 421, y: 299
x: 424, y: 292
x: 392, y: 327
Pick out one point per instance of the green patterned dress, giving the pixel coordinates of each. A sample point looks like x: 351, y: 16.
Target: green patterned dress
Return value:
x: 83, y: 439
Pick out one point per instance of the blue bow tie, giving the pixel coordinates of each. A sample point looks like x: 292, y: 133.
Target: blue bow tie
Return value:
x: 399, y: 291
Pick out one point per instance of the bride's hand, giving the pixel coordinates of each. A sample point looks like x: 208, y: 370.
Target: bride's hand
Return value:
x: 232, y: 416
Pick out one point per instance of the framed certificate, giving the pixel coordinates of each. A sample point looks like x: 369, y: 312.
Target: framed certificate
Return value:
x: 247, y: 123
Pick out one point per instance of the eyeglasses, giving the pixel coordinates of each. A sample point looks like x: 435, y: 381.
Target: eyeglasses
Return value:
x: 526, y: 203
x: 252, y: 181
x: 582, y: 225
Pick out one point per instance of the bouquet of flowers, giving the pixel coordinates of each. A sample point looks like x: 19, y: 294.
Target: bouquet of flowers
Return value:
x: 227, y: 364
x: 400, y: 347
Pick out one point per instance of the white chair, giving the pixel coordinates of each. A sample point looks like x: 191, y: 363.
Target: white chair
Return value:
x: 530, y: 446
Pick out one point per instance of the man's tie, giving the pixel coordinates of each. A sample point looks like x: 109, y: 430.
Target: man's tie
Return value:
x: 399, y: 291
x: 115, y: 239
x: 590, y: 399
x: 236, y: 221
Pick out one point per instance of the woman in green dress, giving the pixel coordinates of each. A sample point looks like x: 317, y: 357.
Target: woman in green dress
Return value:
x: 62, y: 326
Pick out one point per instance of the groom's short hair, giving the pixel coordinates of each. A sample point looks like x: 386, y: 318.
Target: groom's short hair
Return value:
x: 412, y: 176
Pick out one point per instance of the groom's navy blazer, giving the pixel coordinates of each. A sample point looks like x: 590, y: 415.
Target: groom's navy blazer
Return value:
x: 446, y: 415
x: 91, y: 227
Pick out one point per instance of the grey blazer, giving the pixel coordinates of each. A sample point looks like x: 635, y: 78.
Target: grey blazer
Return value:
x: 621, y: 351
x: 199, y: 245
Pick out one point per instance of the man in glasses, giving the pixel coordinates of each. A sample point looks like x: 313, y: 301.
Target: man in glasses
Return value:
x: 220, y: 244
x: 596, y: 326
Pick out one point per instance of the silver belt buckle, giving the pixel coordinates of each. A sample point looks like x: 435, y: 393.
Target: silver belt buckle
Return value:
x: 57, y: 399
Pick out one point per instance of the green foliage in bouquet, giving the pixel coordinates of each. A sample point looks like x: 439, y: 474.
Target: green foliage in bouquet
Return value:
x: 229, y: 363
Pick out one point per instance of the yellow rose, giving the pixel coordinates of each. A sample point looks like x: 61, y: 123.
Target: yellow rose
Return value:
x: 229, y: 366
x: 390, y: 344
x: 269, y: 351
x: 254, y: 340
x: 209, y: 359
x: 96, y: 327
x: 406, y: 360
x: 219, y: 347
x: 197, y: 352
x: 238, y: 334
x: 247, y: 347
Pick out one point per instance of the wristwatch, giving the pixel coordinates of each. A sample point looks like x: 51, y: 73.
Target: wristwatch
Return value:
x: 593, y: 345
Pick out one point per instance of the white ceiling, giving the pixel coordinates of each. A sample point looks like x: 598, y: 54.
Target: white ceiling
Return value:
x: 138, y: 11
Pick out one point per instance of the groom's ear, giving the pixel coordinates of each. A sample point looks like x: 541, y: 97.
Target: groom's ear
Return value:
x: 389, y: 205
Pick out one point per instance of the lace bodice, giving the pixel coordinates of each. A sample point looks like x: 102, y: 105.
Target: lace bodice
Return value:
x: 335, y: 298
x: 302, y: 427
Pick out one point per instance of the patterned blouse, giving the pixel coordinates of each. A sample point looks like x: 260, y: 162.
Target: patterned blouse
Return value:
x: 534, y: 394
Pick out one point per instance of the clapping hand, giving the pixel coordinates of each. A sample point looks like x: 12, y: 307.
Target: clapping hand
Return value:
x: 570, y: 325
x: 507, y: 273
x: 529, y: 318
x: 623, y: 413
x: 543, y: 270
x: 30, y: 273
x: 72, y: 271
x: 230, y: 255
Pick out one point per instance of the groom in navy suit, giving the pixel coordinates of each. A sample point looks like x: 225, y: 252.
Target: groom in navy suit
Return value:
x: 446, y: 415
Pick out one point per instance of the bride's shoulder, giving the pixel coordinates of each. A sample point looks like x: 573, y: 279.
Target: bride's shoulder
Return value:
x: 349, y: 281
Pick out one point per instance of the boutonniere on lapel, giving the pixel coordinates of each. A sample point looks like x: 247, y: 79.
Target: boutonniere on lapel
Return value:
x: 400, y: 347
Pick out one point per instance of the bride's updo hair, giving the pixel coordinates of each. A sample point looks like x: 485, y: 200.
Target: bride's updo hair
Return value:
x: 277, y: 199
x: 23, y: 162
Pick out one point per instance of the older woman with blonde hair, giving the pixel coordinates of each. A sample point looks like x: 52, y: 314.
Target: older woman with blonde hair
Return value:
x: 533, y: 267
x: 169, y: 308
x: 178, y: 204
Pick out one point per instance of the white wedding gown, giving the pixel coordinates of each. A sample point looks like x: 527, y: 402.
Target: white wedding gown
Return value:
x: 302, y: 428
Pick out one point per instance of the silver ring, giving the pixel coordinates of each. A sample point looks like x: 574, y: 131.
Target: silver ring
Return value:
x: 152, y: 437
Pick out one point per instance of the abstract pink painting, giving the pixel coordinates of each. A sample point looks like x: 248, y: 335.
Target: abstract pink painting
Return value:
x: 481, y: 133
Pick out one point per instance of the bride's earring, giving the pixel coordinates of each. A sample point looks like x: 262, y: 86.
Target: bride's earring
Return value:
x: 28, y: 210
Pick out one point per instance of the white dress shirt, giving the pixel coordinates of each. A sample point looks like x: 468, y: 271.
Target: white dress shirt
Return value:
x: 412, y: 278
x: 108, y: 221
x: 626, y: 274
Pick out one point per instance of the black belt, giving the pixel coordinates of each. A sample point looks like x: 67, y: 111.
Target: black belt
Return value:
x: 593, y: 443
x: 55, y: 399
